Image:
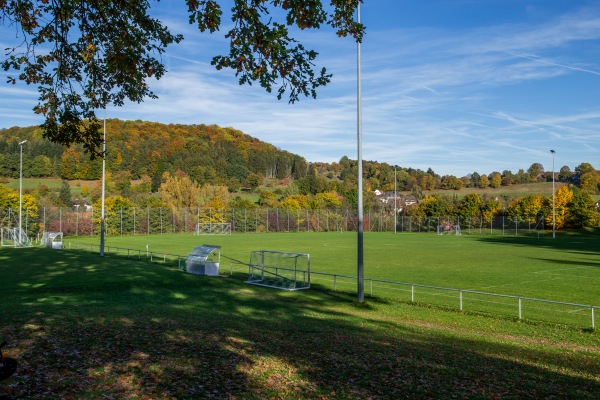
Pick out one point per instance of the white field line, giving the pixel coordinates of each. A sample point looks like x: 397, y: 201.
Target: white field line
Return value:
x: 334, y: 246
x: 550, y: 273
x: 562, y: 269
x: 553, y: 272
x: 518, y: 283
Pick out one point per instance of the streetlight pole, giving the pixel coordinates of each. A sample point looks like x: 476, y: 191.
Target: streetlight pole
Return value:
x: 360, y: 255
x: 103, y: 185
x: 77, y: 222
x: 21, y: 187
x: 553, y: 201
x: 395, y: 199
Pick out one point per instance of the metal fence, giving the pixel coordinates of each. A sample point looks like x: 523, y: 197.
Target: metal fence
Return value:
x: 518, y: 307
x: 146, y: 221
x: 152, y: 256
x: 494, y: 304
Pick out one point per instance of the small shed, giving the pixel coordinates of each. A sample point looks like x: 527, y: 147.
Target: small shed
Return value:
x: 204, y: 260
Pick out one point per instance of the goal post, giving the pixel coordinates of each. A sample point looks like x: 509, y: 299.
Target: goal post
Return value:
x: 212, y: 228
x: 448, y: 229
x: 279, y: 269
x: 14, y: 237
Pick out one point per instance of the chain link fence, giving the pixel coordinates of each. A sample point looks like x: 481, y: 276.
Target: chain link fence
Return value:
x: 163, y: 220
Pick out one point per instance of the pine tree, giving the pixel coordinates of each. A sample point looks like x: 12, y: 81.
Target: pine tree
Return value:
x: 64, y: 194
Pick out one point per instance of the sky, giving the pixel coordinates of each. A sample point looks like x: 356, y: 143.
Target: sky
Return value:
x: 456, y: 86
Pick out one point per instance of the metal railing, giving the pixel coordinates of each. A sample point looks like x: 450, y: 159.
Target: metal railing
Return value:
x: 495, y: 304
x: 471, y: 300
x: 152, y: 256
x: 465, y: 299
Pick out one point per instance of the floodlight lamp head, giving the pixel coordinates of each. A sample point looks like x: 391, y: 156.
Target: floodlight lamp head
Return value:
x: 552, y: 151
x: 22, y: 143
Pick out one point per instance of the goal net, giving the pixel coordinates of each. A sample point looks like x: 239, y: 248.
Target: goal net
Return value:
x: 448, y: 229
x: 207, y: 228
x: 14, y: 237
x: 280, y: 270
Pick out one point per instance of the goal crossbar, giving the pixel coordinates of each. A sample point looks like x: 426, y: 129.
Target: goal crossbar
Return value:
x: 211, y: 228
x: 14, y: 237
x: 279, y: 270
x: 448, y: 229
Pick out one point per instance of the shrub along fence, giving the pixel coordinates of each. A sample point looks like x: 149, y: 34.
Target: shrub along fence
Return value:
x: 146, y: 221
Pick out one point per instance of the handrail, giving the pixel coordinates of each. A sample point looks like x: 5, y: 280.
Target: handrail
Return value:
x: 461, y: 290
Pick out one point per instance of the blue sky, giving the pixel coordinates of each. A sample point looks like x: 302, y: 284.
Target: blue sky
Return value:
x: 458, y: 86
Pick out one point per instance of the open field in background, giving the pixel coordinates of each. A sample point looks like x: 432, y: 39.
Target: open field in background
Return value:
x: 512, y: 191
x: 564, y: 269
x: 52, y: 183
x: 86, y: 327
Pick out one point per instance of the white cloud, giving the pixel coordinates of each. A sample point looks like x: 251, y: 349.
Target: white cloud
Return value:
x: 457, y: 100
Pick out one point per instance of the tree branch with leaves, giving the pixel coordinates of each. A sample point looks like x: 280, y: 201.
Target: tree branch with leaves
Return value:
x: 84, y: 55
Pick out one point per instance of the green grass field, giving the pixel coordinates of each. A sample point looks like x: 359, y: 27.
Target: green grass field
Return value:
x: 88, y: 327
x: 564, y: 269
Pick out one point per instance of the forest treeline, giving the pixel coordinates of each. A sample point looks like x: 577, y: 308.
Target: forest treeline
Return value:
x: 212, y: 155
x: 152, y: 165
x: 208, y: 154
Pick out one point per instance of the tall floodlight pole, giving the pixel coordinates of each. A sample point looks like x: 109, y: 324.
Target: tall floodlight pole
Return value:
x: 553, y: 201
x: 77, y: 221
x: 361, y: 279
x: 21, y: 187
x: 103, y: 185
x: 395, y: 199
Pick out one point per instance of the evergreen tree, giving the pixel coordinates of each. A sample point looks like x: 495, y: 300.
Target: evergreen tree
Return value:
x: 64, y: 195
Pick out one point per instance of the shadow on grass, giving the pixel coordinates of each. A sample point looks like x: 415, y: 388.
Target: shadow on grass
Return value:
x: 82, y: 326
x: 576, y: 242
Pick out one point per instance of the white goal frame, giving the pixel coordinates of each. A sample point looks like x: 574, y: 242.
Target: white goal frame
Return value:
x: 213, y: 228
x: 14, y: 237
x: 448, y: 229
x: 279, y: 270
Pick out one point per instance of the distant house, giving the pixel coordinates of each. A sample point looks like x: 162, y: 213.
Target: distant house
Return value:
x: 402, y: 201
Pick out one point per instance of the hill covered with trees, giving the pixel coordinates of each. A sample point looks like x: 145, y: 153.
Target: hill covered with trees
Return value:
x: 182, y: 167
x: 207, y: 154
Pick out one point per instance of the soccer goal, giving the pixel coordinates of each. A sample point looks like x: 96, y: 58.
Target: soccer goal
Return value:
x: 208, y: 228
x: 279, y: 270
x: 448, y: 229
x: 14, y: 237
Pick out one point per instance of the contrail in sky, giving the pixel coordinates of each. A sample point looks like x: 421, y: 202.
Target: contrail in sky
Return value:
x: 556, y: 64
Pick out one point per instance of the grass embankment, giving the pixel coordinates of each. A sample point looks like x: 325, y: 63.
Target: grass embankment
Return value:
x: 87, y: 327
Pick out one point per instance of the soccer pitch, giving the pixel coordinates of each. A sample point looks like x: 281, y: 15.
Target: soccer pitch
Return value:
x: 84, y: 326
x: 564, y: 269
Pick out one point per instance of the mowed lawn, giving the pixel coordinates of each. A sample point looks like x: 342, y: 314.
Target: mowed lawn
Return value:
x: 565, y: 269
x: 87, y: 327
